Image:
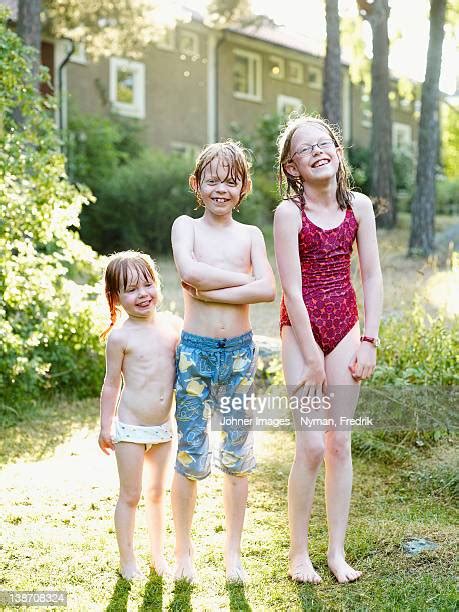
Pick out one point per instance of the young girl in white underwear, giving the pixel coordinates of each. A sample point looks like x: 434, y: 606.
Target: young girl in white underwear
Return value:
x: 136, y: 400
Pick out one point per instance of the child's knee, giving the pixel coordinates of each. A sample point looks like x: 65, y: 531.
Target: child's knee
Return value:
x: 155, y: 495
x: 312, y: 455
x: 130, y: 497
x: 338, y: 446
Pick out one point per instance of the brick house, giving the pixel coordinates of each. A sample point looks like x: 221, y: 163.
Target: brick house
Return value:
x: 196, y: 83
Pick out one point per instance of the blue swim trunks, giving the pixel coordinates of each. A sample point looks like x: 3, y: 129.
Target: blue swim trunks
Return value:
x: 211, y: 372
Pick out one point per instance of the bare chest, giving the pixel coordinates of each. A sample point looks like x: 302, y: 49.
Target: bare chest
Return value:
x: 229, y: 250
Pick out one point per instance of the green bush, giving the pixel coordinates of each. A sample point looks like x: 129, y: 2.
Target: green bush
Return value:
x: 97, y: 146
x: 47, y: 339
x: 404, y: 170
x: 137, y: 206
x: 447, y: 196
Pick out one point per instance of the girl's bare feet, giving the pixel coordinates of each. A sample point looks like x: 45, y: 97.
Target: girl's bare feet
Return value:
x: 160, y: 566
x: 234, y: 570
x: 130, y: 571
x: 302, y: 570
x: 342, y: 571
x: 184, y: 567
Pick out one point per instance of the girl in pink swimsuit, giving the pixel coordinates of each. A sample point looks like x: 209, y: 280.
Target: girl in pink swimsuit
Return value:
x: 315, y: 228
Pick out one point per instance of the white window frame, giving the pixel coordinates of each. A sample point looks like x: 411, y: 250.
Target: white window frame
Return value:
x: 300, y: 79
x: 194, y: 50
x: 406, y: 130
x: 79, y: 54
x: 275, y: 59
x: 167, y: 41
x: 137, y: 108
x: 254, y: 76
x: 291, y: 101
x: 318, y: 71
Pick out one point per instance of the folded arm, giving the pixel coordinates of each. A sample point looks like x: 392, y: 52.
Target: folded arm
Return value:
x: 261, y: 289
x: 194, y: 273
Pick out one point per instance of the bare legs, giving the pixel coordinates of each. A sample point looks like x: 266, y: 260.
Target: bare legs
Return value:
x: 156, y: 471
x: 131, y: 459
x: 183, y: 504
x: 312, y: 447
x: 235, y: 490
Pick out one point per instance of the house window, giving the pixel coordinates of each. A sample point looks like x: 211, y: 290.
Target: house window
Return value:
x: 189, y: 43
x: 247, y: 75
x: 127, y: 87
x: 295, y: 72
x: 314, y: 77
x: 276, y: 67
x: 401, y: 136
x: 166, y: 41
x: 287, y: 104
x: 367, y: 115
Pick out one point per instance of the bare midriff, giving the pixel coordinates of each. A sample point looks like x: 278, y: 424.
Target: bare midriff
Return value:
x: 215, y: 320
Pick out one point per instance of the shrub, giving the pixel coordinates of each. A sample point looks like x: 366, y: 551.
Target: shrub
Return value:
x: 46, y: 317
x: 137, y: 206
x: 447, y: 196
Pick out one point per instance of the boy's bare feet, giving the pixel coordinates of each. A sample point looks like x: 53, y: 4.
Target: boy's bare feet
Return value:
x: 130, y: 571
x: 342, y: 571
x: 184, y: 567
x: 160, y: 566
x: 302, y: 570
x: 234, y: 570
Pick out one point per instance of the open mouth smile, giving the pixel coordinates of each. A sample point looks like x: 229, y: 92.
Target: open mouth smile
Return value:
x: 320, y: 162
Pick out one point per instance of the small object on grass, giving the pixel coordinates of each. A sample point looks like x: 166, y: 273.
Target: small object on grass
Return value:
x: 417, y: 545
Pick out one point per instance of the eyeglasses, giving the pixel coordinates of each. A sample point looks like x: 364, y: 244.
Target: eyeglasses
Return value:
x: 307, y: 150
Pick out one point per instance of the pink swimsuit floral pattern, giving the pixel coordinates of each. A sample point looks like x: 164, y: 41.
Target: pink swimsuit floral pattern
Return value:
x: 325, y: 258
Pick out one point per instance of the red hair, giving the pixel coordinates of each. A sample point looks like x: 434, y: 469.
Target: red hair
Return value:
x: 117, y: 276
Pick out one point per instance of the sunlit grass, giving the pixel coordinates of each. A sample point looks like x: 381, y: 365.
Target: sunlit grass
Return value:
x: 57, y: 516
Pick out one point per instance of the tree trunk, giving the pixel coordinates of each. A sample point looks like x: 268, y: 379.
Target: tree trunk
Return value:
x: 423, y: 205
x: 382, y: 171
x: 29, y: 28
x: 331, y: 98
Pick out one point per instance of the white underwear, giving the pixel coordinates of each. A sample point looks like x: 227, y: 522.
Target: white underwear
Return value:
x: 141, y: 434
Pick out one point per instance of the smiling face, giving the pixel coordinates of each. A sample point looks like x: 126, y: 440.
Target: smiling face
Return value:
x: 220, y: 189
x: 318, y: 164
x: 139, y: 295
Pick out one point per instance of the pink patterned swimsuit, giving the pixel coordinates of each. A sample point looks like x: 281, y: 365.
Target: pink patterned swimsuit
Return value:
x: 325, y: 258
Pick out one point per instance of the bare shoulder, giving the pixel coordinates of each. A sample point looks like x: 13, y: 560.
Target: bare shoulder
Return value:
x: 117, y: 339
x: 183, y: 222
x: 362, y: 206
x: 288, y: 213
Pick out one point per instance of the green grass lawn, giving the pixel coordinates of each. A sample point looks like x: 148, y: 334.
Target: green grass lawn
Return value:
x: 59, y: 493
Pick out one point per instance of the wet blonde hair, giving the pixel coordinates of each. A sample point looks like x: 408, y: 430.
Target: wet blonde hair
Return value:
x: 116, y: 277
x: 229, y: 153
x: 291, y: 187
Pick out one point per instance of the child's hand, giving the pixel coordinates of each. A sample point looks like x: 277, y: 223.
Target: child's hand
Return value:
x: 105, y: 441
x: 363, y: 363
x: 313, y: 380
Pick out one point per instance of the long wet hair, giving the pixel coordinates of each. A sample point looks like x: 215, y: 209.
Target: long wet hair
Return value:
x: 292, y: 187
x: 230, y: 154
x: 117, y: 276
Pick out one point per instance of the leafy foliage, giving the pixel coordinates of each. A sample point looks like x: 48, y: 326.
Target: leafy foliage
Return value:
x: 46, y: 317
